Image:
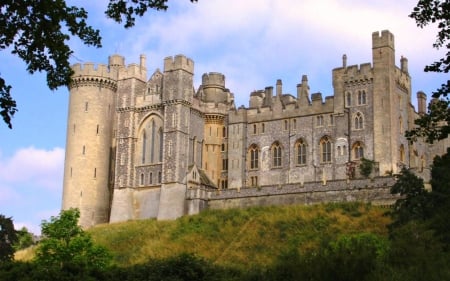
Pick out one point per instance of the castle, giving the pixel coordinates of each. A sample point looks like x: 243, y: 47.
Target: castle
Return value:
x: 158, y: 148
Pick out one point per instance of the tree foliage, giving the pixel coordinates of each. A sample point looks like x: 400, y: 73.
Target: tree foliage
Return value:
x: 67, y: 246
x: 414, y: 203
x: 7, y: 239
x: 38, y: 33
x: 435, y: 125
x: 125, y: 11
x: 24, y: 239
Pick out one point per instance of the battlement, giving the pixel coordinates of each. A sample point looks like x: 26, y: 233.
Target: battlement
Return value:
x: 133, y: 70
x: 213, y: 79
x: 386, y: 39
x: 116, y: 61
x: 90, y: 69
x: 179, y: 62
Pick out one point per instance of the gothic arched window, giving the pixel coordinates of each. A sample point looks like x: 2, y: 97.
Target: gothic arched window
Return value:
x: 358, y: 150
x: 276, y: 155
x: 359, y: 121
x: 325, y: 149
x: 150, y: 142
x: 254, y: 156
x: 300, y: 149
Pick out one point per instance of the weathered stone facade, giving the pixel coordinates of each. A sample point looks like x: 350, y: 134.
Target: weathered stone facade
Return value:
x: 158, y: 148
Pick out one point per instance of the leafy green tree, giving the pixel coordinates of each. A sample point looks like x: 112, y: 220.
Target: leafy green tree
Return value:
x: 435, y: 125
x: 7, y: 239
x: 38, y: 32
x: 67, y: 246
x: 414, y: 202
x: 24, y: 239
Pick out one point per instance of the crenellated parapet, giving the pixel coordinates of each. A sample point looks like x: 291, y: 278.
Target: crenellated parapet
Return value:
x: 179, y: 62
x: 94, y: 76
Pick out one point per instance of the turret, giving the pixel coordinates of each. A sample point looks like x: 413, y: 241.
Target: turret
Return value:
x: 214, y: 87
x: 89, y: 141
x: 422, y: 102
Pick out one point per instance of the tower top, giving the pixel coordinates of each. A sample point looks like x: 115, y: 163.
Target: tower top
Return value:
x: 386, y: 39
x: 179, y: 62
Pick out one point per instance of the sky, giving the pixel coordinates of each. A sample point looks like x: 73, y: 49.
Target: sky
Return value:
x: 252, y: 42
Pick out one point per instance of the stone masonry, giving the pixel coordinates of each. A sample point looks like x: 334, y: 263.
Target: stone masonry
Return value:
x: 140, y: 147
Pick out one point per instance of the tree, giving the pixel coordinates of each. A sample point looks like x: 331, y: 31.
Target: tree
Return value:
x: 24, y: 239
x: 7, y: 239
x: 414, y: 203
x: 66, y: 246
x: 38, y: 32
x: 435, y: 125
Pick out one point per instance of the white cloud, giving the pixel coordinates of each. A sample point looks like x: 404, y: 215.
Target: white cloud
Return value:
x: 40, y: 168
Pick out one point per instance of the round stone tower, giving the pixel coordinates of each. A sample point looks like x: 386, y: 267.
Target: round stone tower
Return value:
x: 89, y: 144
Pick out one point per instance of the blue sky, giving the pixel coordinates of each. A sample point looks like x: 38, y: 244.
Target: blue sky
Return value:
x: 252, y: 42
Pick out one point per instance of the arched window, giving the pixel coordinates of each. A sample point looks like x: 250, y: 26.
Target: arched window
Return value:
x: 150, y: 178
x: 263, y: 128
x: 325, y: 149
x: 150, y: 142
x: 276, y: 155
x: 358, y: 150
x: 142, y: 179
x: 359, y: 121
x: 348, y: 99
x: 254, y: 157
x: 300, y: 149
x: 254, y: 129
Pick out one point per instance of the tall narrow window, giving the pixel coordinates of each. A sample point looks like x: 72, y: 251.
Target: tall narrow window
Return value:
x: 86, y: 106
x: 142, y: 179
x: 144, y: 146
x: 286, y: 125
x: 325, y: 148
x: 152, y: 142
x: 263, y: 128
x: 97, y: 129
x: 359, y: 121
x: 294, y: 125
x: 276, y: 155
x: 159, y: 177
x: 358, y: 150
x: 402, y: 153
x: 362, y: 97
x: 150, y: 178
x: 319, y: 121
x: 161, y: 135
x: 348, y: 99
x: 254, y: 155
x: 224, y: 164
x: 95, y: 173
x: 331, y: 119
x: 301, y: 152
x: 254, y: 129
x: 84, y: 150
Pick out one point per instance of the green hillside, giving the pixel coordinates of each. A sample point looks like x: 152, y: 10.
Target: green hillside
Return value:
x: 239, y: 238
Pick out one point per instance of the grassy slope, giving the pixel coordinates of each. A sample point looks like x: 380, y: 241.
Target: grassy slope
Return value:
x: 239, y: 238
